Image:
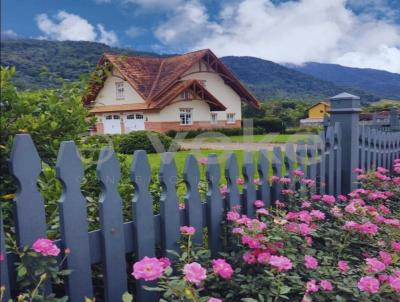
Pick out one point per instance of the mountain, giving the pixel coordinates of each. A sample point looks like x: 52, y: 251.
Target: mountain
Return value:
x: 70, y: 59
x: 66, y: 59
x: 379, y: 82
x: 269, y: 81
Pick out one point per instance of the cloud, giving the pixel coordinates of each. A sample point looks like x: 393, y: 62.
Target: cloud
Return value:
x: 135, y: 31
x: 190, y: 22
x: 289, y: 32
x: 65, y: 26
x: 9, y: 34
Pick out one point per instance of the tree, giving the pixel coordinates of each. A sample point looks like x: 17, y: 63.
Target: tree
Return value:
x: 50, y: 116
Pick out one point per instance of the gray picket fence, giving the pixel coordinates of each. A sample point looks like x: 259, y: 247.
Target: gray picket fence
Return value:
x: 329, y: 161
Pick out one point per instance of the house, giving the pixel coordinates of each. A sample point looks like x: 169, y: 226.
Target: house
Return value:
x: 184, y: 92
x: 316, y: 114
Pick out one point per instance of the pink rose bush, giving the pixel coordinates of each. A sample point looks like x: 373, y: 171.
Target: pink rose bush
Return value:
x: 309, y: 246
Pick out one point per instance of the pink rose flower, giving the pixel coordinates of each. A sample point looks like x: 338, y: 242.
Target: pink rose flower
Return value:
x: 329, y: 199
x: 343, y: 266
x: 310, y: 262
x: 317, y: 214
x: 263, y: 257
x: 194, y: 273
x: 281, y: 263
x: 148, y: 269
x: 394, y: 283
x: 298, y: 173
x: 203, y: 160
x: 165, y: 262
x: 262, y: 211
x: 240, y: 181
x: 45, y: 247
x: 1, y: 257
x: 386, y: 257
x: 187, y: 230
x: 232, y: 216
x: 395, y: 245
x: 368, y: 228
x: 222, y: 268
x: 312, y: 286
x: 374, y: 265
x: 315, y: 197
x: 249, y: 258
x: 326, y: 285
x: 259, y: 204
x: 368, y: 284
x: 342, y: 198
x: 305, y: 204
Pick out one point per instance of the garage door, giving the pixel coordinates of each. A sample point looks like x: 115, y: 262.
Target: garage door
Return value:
x: 112, y: 124
x: 134, y: 122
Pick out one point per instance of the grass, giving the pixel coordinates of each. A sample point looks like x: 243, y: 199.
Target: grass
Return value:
x: 180, y: 157
x: 265, y: 138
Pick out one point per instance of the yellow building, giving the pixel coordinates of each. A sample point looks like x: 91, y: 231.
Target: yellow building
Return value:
x: 316, y: 114
x: 318, y: 110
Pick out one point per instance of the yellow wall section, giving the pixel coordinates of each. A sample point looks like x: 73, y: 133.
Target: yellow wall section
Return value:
x: 318, y: 111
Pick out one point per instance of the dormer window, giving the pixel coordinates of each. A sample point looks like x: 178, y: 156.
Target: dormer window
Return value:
x: 119, y: 88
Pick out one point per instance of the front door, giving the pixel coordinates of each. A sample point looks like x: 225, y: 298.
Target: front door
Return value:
x: 134, y: 122
x: 112, y: 124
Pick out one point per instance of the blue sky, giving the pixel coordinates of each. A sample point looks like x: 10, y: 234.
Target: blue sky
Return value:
x: 360, y: 33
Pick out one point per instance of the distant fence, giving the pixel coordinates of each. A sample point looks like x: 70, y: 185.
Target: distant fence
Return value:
x: 330, y: 161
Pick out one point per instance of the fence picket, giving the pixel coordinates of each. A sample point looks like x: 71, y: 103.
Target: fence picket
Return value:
x: 263, y: 180
x: 143, y: 224
x: 301, y: 156
x: 232, y: 197
x: 321, y: 180
x: 73, y: 222
x: 215, y: 210
x: 249, y: 190
x: 276, y: 171
x: 170, y: 218
x: 25, y: 166
x: 4, y: 278
x: 289, y: 160
x: 329, y: 158
x: 112, y: 228
x: 312, y: 159
x: 337, y: 149
x: 193, y: 203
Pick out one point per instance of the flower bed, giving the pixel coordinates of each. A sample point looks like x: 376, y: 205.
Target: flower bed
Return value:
x: 307, y: 247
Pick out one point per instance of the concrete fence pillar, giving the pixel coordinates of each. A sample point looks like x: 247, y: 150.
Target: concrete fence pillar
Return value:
x: 345, y: 109
x: 394, y: 119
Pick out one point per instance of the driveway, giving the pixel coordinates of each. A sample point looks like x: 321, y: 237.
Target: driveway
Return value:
x: 247, y: 146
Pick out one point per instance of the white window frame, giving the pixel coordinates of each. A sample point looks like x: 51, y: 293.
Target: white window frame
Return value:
x: 214, y: 118
x: 120, y: 90
x: 185, y: 116
x: 230, y: 118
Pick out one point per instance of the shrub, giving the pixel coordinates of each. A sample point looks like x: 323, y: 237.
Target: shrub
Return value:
x: 269, y: 124
x: 224, y: 131
x: 151, y: 142
x: 295, y: 130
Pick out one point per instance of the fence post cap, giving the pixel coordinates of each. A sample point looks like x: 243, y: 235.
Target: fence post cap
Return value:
x: 345, y: 103
x: 344, y: 96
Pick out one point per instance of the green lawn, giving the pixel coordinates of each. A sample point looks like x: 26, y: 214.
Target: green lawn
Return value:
x: 267, y: 138
x: 180, y: 157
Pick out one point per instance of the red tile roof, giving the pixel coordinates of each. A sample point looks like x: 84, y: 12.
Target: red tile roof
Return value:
x: 151, y: 77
